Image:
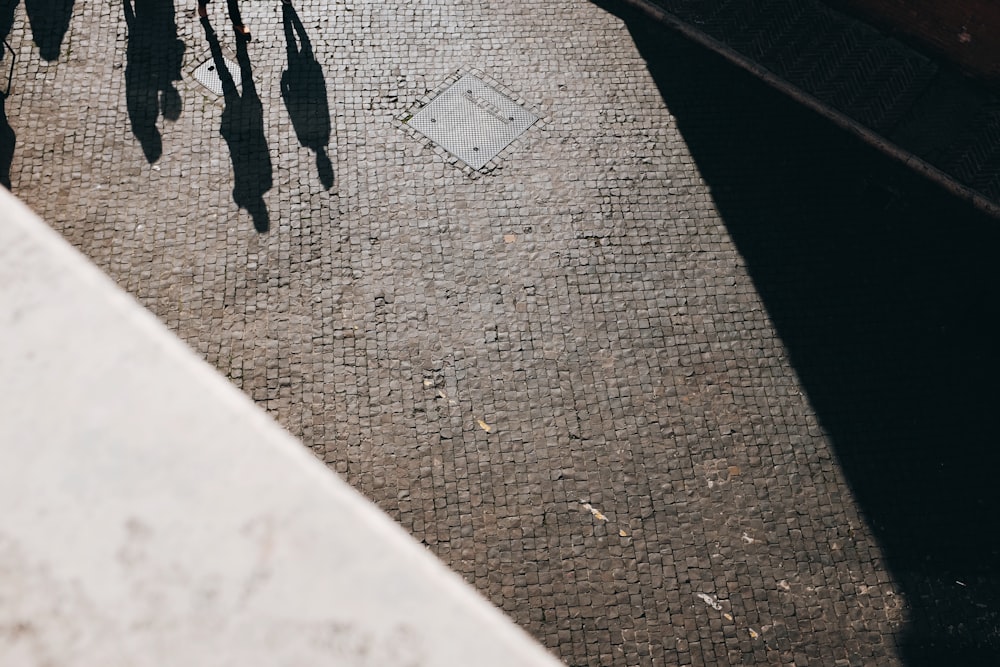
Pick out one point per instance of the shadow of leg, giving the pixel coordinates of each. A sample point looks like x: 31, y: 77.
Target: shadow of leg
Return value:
x: 141, y: 102
x: 49, y: 22
x: 243, y: 129
x: 171, y: 51
x: 242, y: 32
x: 324, y: 167
x: 7, y: 8
x: 258, y: 213
x: 7, y: 141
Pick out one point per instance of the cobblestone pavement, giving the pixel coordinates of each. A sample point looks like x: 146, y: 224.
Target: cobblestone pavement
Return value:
x: 672, y: 383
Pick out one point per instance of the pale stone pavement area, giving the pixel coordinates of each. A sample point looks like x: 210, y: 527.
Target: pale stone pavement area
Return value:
x: 685, y: 377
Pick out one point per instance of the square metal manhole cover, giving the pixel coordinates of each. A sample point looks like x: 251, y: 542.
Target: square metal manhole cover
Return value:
x: 207, y: 74
x: 473, y: 121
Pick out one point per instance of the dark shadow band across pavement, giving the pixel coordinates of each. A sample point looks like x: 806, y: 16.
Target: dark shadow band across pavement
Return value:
x: 884, y: 292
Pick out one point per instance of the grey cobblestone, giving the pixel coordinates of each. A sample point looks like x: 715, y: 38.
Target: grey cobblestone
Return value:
x: 559, y: 374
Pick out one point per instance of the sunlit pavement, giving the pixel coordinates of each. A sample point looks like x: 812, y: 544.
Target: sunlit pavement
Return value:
x: 620, y: 379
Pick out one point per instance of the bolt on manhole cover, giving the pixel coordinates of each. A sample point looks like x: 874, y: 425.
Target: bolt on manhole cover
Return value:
x: 207, y: 75
x: 473, y: 121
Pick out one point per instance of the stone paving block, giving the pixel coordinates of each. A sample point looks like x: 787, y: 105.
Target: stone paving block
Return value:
x: 560, y: 374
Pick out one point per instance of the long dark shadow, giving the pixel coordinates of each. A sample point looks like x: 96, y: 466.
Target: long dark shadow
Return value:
x: 243, y: 130
x: 7, y: 8
x: 233, y: 7
x: 7, y: 137
x: 7, y: 142
x: 49, y: 22
x: 154, y: 56
x: 885, y: 293
x: 303, y: 88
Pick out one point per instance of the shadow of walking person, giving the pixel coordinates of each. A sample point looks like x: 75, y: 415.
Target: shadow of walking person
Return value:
x: 7, y: 141
x: 49, y: 23
x: 243, y: 130
x: 154, y: 57
x: 7, y: 137
x: 304, y: 90
x: 7, y: 8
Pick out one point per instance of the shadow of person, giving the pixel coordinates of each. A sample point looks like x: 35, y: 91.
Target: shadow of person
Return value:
x: 243, y: 130
x: 49, y: 22
x: 7, y: 8
x: 154, y: 57
x: 7, y: 141
x: 303, y: 89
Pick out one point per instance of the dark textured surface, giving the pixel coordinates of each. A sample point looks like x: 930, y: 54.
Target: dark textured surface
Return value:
x: 888, y: 325
x: 685, y: 346
x: 869, y: 77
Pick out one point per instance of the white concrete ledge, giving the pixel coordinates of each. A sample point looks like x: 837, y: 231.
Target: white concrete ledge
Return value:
x: 150, y: 514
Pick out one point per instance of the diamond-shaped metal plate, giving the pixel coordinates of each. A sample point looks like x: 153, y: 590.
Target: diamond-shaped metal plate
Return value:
x: 473, y: 121
x: 208, y: 76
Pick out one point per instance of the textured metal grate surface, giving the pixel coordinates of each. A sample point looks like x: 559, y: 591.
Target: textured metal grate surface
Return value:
x: 207, y: 75
x: 473, y: 121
